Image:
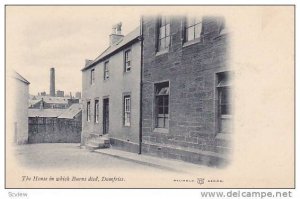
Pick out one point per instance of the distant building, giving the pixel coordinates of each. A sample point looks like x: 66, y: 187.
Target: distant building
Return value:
x: 60, y: 93
x: 48, y: 102
x: 111, y: 92
x: 55, y: 125
x: 20, y: 112
x: 78, y: 95
x: 43, y: 93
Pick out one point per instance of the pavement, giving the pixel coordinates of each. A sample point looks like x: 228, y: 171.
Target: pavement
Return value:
x: 156, y: 162
x: 72, y: 156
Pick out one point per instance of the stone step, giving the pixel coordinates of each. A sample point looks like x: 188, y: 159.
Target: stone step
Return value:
x: 91, y: 146
x: 101, y: 140
x: 98, y: 143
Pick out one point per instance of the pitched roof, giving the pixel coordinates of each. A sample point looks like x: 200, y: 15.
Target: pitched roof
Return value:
x: 115, y: 47
x: 53, y: 100
x: 20, y: 77
x: 71, y: 112
x: 32, y: 102
x: 45, y: 112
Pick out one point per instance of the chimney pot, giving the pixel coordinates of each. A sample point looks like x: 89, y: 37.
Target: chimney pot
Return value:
x: 116, y: 34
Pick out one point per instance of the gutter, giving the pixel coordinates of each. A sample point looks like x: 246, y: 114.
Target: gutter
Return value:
x: 141, y: 87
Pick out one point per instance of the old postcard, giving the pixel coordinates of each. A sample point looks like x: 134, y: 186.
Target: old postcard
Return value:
x: 149, y: 96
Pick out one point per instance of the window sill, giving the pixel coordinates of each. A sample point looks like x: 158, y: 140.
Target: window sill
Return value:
x: 225, y: 116
x: 192, y: 42
x: 162, y: 52
x: 127, y: 72
x: 161, y: 130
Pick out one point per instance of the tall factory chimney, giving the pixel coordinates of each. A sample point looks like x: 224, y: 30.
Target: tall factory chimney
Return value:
x: 52, y: 82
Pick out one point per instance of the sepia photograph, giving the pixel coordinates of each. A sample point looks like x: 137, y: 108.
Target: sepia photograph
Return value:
x: 149, y: 96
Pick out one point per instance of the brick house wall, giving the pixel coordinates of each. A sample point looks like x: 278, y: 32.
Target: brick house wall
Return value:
x: 191, y: 68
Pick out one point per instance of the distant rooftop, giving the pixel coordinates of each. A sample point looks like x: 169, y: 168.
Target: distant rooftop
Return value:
x: 20, y: 77
x: 45, y: 112
x: 69, y: 113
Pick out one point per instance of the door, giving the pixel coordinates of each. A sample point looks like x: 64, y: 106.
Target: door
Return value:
x: 105, y: 116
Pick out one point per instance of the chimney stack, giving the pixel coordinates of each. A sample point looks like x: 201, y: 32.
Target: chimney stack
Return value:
x: 116, y: 34
x: 52, y: 82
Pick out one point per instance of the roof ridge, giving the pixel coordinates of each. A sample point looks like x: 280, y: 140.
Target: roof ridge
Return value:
x: 115, y: 47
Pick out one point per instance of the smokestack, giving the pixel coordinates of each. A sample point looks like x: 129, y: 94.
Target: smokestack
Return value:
x: 116, y: 34
x: 52, y: 82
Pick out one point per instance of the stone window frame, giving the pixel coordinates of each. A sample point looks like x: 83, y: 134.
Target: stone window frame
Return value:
x: 126, y: 95
x: 166, y: 27
x: 218, y: 133
x: 92, y: 77
x: 199, y: 39
x: 106, y: 70
x: 126, y: 61
x: 88, y: 111
x: 159, y: 129
x: 96, y: 111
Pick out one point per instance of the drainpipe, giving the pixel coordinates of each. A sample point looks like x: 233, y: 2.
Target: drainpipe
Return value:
x: 141, y: 87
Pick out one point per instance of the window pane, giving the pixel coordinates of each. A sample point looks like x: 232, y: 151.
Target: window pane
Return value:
x: 167, y: 42
x: 198, y: 30
x: 167, y: 29
x: 190, y: 33
x: 162, y: 44
x: 224, y: 96
x: 160, y: 100
x: 162, y: 32
x: 160, y: 110
x: 166, y: 100
x: 166, y: 110
x: 225, y: 110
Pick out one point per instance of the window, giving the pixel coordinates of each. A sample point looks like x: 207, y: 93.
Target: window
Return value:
x: 128, y: 59
x: 193, y: 28
x: 163, y: 33
x: 224, y: 106
x: 96, y: 111
x: 106, y: 70
x: 92, y: 76
x: 162, y: 105
x: 127, y: 110
x: 88, y: 112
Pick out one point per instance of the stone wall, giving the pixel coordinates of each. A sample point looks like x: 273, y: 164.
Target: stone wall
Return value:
x: 191, y: 69
x: 54, y: 130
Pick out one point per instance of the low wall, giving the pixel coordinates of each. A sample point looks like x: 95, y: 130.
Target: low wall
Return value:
x: 54, y: 130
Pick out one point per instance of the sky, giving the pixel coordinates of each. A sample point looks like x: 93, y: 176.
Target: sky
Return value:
x: 39, y: 37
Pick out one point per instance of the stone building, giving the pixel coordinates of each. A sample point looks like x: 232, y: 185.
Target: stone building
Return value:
x: 20, y: 87
x: 186, y: 84
x: 111, y: 94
